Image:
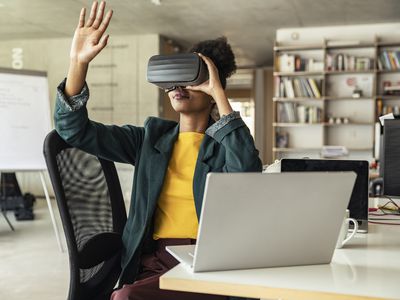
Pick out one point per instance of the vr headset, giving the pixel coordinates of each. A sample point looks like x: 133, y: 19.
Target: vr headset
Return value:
x: 171, y: 71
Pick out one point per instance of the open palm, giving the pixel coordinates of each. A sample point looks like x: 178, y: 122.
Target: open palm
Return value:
x: 89, y: 39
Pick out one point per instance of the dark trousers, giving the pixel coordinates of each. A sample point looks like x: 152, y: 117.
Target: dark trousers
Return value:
x: 152, y: 266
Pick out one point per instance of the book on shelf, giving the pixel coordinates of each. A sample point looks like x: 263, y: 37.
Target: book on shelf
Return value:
x: 289, y: 112
x: 297, y: 87
x: 295, y: 63
x: 289, y: 90
x: 286, y: 63
x: 278, y: 88
x: 345, y: 62
x: 286, y: 113
x: 298, y: 63
x: 307, y: 87
x: 314, y: 87
x: 389, y: 60
x: 379, y: 108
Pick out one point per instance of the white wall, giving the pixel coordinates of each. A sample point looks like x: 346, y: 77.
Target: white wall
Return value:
x: 119, y: 91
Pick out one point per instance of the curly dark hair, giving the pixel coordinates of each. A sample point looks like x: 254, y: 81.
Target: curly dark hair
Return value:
x: 221, y: 54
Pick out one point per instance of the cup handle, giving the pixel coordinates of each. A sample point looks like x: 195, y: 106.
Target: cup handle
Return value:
x: 355, y: 229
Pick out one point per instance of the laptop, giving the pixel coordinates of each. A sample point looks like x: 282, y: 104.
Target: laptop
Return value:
x: 258, y: 220
x: 358, y: 205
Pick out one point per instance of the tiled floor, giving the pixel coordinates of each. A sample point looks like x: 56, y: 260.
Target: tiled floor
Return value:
x: 31, y: 264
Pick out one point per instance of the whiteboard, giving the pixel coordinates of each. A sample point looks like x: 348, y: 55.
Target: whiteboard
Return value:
x: 24, y: 119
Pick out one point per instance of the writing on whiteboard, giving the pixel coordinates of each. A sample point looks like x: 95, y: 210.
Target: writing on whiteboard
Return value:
x: 17, y: 58
x: 24, y: 119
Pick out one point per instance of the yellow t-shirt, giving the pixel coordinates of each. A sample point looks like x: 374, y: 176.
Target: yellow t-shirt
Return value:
x: 175, y: 215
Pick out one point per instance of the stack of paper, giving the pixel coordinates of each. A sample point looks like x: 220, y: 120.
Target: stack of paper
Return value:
x: 334, y: 151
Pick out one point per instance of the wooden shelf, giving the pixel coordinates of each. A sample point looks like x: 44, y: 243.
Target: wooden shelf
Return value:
x: 321, y: 124
x: 349, y: 124
x: 295, y: 149
x: 298, y: 99
x: 305, y: 99
x: 389, y: 44
x: 350, y: 72
x: 322, y: 47
x: 388, y: 97
x: 349, y: 98
x: 306, y: 73
x: 302, y: 47
x: 360, y: 149
x: 329, y: 92
x: 296, y: 124
x: 388, y: 71
x: 313, y: 149
x: 299, y: 73
x: 354, y: 46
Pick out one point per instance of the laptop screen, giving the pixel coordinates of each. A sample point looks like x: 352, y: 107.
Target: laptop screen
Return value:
x: 358, y: 204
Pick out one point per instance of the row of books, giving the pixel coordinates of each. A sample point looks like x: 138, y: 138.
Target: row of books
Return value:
x: 297, y: 87
x: 295, y: 63
x: 389, y: 60
x: 344, y: 62
x: 294, y: 113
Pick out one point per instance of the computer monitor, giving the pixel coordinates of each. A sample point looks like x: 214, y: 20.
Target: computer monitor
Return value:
x: 390, y: 160
x: 358, y: 204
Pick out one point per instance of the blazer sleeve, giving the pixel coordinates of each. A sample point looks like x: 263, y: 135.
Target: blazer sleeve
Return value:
x: 241, y: 154
x: 111, y: 142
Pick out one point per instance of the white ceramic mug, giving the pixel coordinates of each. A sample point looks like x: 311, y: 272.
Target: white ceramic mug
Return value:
x: 344, y: 237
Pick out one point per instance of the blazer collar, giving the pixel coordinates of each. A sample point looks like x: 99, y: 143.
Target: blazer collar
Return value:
x: 207, y: 148
x: 166, y: 142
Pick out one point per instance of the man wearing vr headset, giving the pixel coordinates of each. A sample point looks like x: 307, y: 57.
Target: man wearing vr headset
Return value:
x: 171, y: 159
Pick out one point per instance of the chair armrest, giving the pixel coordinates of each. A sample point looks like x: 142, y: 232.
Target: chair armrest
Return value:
x: 99, y: 248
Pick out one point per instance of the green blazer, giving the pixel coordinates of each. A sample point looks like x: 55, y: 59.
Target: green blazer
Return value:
x: 227, y: 147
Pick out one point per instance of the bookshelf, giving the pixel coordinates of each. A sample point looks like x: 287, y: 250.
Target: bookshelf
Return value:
x: 332, y: 94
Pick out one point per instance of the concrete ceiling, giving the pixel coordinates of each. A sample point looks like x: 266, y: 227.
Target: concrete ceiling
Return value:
x: 249, y: 25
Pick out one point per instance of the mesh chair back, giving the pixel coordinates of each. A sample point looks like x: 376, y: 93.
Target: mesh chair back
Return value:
x: 90, y: 201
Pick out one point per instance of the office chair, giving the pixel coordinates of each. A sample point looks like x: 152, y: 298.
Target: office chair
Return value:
x: 93, y: 215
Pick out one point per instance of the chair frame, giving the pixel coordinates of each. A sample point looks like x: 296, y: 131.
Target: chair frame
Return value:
x: 100, y: 286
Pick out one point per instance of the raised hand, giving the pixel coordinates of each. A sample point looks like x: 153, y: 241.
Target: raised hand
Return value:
x: 89, y: 39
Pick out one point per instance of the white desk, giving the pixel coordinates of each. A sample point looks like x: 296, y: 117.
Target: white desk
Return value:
x: 368, y: 267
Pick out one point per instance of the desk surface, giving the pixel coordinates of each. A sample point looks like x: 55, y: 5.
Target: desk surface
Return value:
x: 368, y: 267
